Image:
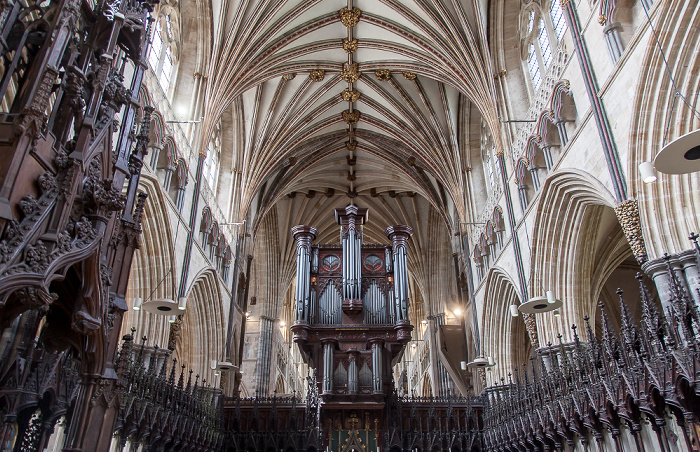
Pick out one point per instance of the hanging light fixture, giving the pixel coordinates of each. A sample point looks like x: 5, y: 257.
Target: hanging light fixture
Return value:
x: 171, y: 318
x: 225, y: 366
x: 161, y: 306
x: 181, y: 303
x: 213, y: 364
x: 137, y: 303
x: 481, y: 362
x: 537, y: 305
x: 680, y: 156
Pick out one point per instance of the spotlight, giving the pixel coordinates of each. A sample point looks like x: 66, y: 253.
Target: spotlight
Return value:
x: 646, y: 169
x: 181, y: 303
x: 137, y: 303
x: 514, y: 310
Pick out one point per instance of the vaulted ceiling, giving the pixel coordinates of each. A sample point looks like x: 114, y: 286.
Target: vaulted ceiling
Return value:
x: 353, y: 99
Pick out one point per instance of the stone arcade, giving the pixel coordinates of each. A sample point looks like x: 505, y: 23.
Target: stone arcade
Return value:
x: 506, y: 269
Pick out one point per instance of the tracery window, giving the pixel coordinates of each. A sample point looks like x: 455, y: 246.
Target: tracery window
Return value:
x: 544, y: 30
x: 162, y: 54
x: 558, y: 20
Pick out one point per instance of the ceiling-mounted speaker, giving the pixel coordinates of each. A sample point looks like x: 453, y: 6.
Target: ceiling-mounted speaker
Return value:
x: 680, y: 156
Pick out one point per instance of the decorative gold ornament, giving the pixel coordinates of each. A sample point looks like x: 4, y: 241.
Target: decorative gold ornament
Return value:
x: 350, y: 72
x: 349, y: 46
x: 383, y: 75
x: 602, y: 19
x: 351, y: 177
x: 628, y: 215
x: 351, y: 117
x: 564, y: 3
x: 351, y: 133
x: 350, y: 95
x: 350, y: 18
x: 317, y: 75
x: 289, y: 76
x: 409, y: 75
x: 351, y: 145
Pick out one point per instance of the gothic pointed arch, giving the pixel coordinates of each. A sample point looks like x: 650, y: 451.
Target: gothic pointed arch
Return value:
x: 505, y: 338
x: 574, y: 208
x: 152, y: 274
x: 201, y: 338
x: 668, y: 209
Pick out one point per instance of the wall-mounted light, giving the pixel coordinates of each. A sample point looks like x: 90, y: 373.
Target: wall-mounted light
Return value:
x: 283, y: 323
x: 551, y: 298
x: 171, y: 318
x: 557, y: 313
x: 137, y: 303
x: 646, y: 169
x: 463, y: 365
x: 457, y: 312
x: 247, y: 314
x: 181, y: 303
x: 213, y: 364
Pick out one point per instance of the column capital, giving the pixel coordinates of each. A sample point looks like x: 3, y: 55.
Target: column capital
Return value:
x: 301, y: 232
x: 399, y: 233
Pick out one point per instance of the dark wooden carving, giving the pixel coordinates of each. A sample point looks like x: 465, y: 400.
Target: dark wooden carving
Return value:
x: 68, y: 229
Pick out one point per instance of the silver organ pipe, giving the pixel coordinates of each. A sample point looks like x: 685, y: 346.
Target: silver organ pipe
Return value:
x: 304, y: 235
x: 327, y: 368
x: 399, y: 236
x: 374, y: 304
x: 352, y: 374
x: 376, y: 367
x: 330, y: 305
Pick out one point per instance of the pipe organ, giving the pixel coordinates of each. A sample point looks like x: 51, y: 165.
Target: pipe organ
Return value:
x: 352, y: 309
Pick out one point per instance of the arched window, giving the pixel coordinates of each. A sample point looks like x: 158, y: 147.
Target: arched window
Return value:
x: 162, y: 54
x: 213, y: 159
x: 558, y: 20
x: 488, y: 158
x: 543, y: 31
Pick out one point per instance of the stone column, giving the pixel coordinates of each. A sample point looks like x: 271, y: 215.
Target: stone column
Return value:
x: 180, y: 200
x: 154, y: 150
x: 613, y: 41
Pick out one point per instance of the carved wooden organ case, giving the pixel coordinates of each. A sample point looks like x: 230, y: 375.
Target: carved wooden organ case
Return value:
x: 351, y: 307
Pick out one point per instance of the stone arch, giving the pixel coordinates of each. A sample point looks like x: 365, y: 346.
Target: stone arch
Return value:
x: 670, y: 208
x: 152, y: 272
x: 511, y: 349
x: 204, y: 325
x: 570, y: 212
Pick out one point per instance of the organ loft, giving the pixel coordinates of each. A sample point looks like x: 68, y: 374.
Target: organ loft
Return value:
x: 352, y: 310
x: 351, y: 306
